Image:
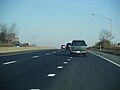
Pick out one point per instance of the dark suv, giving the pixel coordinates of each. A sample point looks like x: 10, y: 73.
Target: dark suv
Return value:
x: 68, y: 45
x: 78, y: 47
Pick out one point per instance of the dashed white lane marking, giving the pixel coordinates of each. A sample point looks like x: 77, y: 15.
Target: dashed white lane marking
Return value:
x: 50, y: 75
x: 47, y: 53
x: 9, y: 62
x: 54, y: 52
x: 60, y: 67
x: 105, y: 58
x: 68, y: 59
x: 34, y: 89
x: 59, y: 51
x: 65, y: 62
x: 35, y: 56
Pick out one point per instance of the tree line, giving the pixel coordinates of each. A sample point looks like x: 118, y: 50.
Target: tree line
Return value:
x: 8, y: 34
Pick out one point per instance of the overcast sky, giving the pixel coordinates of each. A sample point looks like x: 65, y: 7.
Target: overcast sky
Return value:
x: 56, y: 22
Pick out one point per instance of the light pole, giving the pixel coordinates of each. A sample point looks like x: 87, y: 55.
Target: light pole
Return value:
x: 107, y: 19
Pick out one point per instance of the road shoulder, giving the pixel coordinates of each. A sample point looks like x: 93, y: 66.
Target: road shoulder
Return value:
x: 115, y: 59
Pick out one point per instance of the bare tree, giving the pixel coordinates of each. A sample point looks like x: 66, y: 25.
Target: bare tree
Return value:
x: 105, y: 37
x: 12, y: 32
x: 8, y: 33
x: 3, y: 31
x: 13, y: 29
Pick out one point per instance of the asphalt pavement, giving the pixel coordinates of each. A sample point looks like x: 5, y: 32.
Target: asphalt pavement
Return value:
x: 57, y: 70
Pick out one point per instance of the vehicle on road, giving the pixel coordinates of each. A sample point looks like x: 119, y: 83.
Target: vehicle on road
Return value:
x: 17, y: 45
x: 68, y: 45
x: 78, y: 47
x: 62, y: 47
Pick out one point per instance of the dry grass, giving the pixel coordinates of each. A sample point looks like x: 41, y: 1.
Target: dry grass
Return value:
x: 18, y: 49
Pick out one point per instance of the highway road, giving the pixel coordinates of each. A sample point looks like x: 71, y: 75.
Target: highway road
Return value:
x: 57, y: 70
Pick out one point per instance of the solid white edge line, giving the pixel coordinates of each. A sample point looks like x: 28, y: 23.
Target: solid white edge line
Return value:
x: 9, y: 62
x: 105, y: 59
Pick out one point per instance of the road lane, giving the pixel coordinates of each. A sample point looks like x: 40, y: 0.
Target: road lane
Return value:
x: 88, y: 73
x: 23, y: 56
x: 29, y: 73
x: 79, y: 73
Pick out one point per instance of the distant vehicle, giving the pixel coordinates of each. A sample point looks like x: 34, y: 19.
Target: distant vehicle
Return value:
x: 17, y: 45
x: 62, y: 47
x: 78, y: 47
x: 118, y: 44
x: 68, y: 45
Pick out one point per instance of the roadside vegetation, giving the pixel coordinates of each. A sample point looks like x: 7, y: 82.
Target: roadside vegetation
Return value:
x: 8, y: 35
x: 105, y: 44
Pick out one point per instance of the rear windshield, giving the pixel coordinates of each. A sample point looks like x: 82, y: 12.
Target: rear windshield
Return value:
x: 68, y: 44
x: 78, y: 43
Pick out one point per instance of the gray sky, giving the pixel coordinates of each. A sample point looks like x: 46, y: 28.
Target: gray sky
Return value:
x: 56, y: 22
